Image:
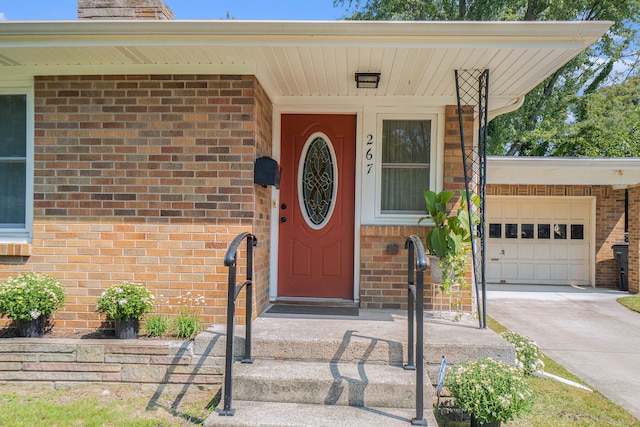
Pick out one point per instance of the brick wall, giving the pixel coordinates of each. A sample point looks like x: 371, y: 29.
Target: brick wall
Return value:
x: 383, y: 276
x: 147, y: 179
x: 634, y: 240
x: 609, y: 218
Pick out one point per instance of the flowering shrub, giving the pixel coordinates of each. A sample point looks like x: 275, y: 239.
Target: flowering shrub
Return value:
x: 528, y: 356
x: 28, y: 296
x: 125, y: 300
x: 489, y: 389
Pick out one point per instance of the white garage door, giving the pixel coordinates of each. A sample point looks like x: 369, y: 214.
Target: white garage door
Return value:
x: 543, y: 240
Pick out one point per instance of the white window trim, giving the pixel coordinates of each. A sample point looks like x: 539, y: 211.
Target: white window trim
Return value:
x: 23, y: 235
x: 372, y: 168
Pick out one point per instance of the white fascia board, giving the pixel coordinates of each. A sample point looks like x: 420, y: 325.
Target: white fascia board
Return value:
x: 260, y: 33
x: 88, y: 70
x: 563, y: 171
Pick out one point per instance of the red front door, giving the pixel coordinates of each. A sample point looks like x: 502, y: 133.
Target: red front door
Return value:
x: 317, y: 202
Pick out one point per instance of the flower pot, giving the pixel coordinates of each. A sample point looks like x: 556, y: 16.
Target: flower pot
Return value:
x: 31, y: 328
x: 475, y: 423
x: 127, y: 329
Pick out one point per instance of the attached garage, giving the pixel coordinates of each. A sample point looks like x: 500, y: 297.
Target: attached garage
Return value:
x: 555, y: 220
x: 542, y: 240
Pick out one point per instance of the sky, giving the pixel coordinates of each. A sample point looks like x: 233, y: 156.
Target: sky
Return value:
x: 27, y: 10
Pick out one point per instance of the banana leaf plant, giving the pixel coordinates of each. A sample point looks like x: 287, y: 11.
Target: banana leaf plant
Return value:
x: 450, y: 237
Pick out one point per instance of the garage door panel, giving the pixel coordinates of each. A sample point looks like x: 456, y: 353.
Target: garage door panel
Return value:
x: 559, y: 272
x: 543, y: 272
x: 559, y: 252
x: 534, y: 258
x: 543, y: 251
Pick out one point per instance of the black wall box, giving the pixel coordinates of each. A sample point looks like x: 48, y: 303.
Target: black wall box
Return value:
x: 267, y: 171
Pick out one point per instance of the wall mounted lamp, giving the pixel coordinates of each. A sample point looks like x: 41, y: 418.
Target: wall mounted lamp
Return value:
x: 367, y: 80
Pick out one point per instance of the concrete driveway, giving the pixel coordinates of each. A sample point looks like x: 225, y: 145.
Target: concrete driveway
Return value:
x: 583, y: 329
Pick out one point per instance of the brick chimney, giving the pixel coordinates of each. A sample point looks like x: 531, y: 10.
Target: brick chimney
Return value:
x: 124, y: 9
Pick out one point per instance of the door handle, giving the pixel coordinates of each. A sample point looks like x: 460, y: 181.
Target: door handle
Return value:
x: 283, y: 219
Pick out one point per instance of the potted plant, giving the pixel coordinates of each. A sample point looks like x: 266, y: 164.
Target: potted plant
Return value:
x: 448, y: 241
x: 125, y: 303
x: 490, y: 390
x: 29, y: 299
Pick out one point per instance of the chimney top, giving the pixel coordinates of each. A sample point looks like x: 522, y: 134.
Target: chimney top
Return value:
x: 124, y: 10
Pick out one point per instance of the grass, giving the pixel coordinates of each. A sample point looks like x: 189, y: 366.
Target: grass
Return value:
x: 560, y: 405
x: 104, y: 405
x: 632, y: 302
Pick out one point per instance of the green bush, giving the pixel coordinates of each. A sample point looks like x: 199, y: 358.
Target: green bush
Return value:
x: 125, y: 300
x: 489, y: 389
x: 528, y: 356
x: 28, y: 296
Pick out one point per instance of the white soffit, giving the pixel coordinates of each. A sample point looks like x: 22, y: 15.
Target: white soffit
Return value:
x: 296, y: 60
x: 620, y: 172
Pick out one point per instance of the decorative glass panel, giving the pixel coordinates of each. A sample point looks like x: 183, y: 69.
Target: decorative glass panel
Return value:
x: 406, y: 150
x: 318, y: 181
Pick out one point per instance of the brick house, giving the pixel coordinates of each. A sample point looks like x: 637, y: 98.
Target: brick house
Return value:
x: 129, y: 148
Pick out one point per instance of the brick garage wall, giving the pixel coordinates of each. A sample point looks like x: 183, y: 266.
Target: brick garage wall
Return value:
x: 634, y: 240
x: 609, y: 218
x: 145, y: 178
x: 383, y: 276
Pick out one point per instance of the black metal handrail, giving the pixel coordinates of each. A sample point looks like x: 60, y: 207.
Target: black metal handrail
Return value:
x: 415, y: 270
x: 232, y: 295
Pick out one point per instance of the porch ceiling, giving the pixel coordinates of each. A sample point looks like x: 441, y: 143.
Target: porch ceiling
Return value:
x: 302, y: 62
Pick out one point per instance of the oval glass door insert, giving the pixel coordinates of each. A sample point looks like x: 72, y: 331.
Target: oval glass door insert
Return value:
x: 317, y: 181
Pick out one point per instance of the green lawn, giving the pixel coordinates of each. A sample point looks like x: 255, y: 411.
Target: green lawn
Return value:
x: 632, y: 302
x: 103, y: 405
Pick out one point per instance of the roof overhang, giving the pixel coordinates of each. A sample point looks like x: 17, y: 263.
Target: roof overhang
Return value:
x: 296, y: 61
x: 618, y: 172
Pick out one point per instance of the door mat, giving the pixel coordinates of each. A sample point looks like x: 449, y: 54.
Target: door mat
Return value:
x: 313, y: 309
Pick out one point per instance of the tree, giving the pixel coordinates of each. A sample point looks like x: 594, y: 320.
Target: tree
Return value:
x: 539, y: 127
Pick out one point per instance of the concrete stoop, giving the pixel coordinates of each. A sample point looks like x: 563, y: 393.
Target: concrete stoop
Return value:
x: 347, y: 371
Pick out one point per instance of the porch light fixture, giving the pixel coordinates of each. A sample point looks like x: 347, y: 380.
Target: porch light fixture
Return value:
x: 367, y: 80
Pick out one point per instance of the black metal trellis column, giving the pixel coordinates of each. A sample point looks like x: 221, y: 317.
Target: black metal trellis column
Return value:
x: 472, y: 89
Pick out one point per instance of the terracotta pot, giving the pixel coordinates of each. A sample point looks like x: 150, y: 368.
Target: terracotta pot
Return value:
x: 127, y: 329
x: 31, y: 328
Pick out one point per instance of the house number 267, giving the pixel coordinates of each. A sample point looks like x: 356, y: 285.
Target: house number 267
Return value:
x: 369, y: 153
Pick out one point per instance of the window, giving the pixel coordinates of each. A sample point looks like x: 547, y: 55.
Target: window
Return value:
x: 560, y: 231
x: 406, y: 156
x: 544, y: 231
x: 577, y: 232
x: 511, y: 231
x: 15, y: 168
x: 495, y: 231
x: 527, y: 231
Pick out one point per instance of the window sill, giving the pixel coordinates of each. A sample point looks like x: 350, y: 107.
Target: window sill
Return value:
x: 15, y: 249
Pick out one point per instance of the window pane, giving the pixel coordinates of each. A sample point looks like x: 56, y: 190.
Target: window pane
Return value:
x: 560, y: 231
x: 406, y: 148
x: 511, y: 231
x: 577, y: 231
x: 527, y: 231
x: 402, y: 189
x: 13, y: 126
x: 544, y: 231
x: 406, y: 141
x: 12, y: 197
x: 495, y: 231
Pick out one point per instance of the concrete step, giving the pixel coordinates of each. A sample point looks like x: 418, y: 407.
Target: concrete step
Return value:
x: 271, y: 414
x: 327, y: 383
